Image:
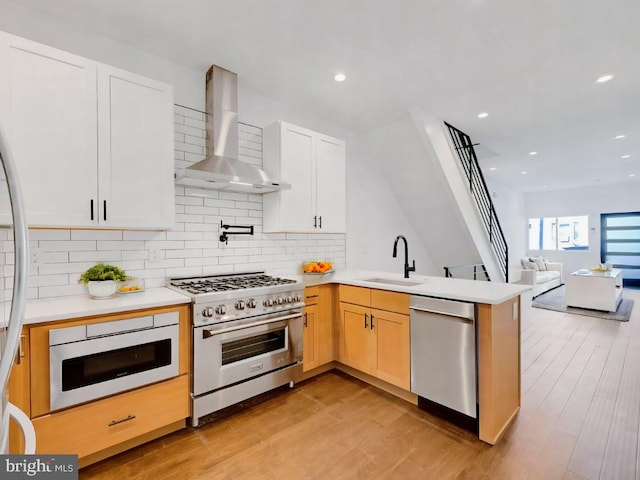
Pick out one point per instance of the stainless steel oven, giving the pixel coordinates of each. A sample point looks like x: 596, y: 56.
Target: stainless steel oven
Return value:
x: 92, y: 361
x: 244, y: 349
x: 247, y: 337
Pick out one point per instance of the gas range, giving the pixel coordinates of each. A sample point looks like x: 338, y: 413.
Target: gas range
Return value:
x: 247, y: 337
x: 223, y: 298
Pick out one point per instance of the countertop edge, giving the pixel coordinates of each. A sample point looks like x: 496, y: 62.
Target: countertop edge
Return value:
x: 438, y: 287
x: 78, y: 306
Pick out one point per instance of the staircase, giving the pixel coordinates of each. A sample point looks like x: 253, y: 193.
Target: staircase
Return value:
x: 478, y: 189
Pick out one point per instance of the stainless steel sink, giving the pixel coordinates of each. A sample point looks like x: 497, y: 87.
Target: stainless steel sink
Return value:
x: 392, y: 281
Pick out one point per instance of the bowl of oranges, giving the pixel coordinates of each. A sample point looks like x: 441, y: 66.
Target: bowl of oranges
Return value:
x: 132, y: 285
x: 317, y: 267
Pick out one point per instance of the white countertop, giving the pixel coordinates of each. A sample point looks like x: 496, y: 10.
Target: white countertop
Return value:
x: 492, y: 293
x: 63, y: 308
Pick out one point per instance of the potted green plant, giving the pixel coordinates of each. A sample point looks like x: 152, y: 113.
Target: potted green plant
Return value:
x: 102, y: 280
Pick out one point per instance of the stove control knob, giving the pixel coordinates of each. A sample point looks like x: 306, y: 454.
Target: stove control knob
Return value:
x: 297, y: 298
x: 221, y: 309
x: 279, y: 300
x: 240, y: 305
x: 268, y: 302
x: 289, y: 299
x: 251, y: 303
x: 207, y: 312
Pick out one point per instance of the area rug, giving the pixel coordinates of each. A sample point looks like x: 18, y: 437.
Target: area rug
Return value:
x: 554, y: 300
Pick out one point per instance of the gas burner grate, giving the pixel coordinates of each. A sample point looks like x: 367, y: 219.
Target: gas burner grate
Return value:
x: 226, y: 283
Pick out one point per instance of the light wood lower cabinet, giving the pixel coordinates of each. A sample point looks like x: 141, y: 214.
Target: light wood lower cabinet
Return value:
x: 98, y: 425
x: 373, y: 340
x: 318, y: 327
x: 108, y: 425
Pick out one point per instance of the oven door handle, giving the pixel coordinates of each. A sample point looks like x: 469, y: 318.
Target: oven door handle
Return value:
x: 207, y: 333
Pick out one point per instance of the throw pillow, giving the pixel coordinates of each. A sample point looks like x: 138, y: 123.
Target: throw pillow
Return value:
x: 528, y: 265
x: 540, y: 262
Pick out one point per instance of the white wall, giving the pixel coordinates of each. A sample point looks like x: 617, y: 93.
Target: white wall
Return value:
x: 510, y: 207
x: 592, y: 201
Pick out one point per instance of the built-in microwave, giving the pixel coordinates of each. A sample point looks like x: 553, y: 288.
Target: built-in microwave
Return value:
x: 100, y: 359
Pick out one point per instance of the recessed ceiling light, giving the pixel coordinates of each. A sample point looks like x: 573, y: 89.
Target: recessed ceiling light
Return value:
x: 523, y: 172
x: 626, y: 155
x: 604, y: 78
x: 544, y: 186
x: 533, y: 153
x: 492, y: 168
x: 632, y: 174
x: 340, y: 77
x: 618, y: 137
x: 483, y: 115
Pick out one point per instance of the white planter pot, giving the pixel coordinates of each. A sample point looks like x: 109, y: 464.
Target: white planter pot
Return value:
x: 102, y: 289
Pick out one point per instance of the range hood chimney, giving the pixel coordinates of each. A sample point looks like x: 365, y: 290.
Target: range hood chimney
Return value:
x: 221, y: 169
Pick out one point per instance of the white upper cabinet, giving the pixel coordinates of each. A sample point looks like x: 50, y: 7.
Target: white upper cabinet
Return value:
x: 83, y: 141
x: 135, y: 150
x: 48, y: 109
x: 314, y: 165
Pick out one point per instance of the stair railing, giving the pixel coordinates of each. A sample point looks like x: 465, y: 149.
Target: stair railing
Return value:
x: 475, y: 271
x: 480, y: 192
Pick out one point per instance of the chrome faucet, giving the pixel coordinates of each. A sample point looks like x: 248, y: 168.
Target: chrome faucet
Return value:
x: 407, y: 268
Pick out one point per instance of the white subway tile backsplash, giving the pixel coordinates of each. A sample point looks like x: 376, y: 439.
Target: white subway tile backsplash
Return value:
x: 96, y: 235
x: 120, y: 245
x: 192, y: 247
x: 38, y: 234
x: 68, y: 246
x: 142, y: 235
x: 96, y: 256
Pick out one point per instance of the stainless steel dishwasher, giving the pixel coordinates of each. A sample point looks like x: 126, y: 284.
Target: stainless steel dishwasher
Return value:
x: 443, y: 358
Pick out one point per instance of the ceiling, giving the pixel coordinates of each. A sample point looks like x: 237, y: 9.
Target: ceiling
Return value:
x: 531, y: 65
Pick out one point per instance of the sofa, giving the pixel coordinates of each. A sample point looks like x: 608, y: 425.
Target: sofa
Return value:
x: 540, y: 274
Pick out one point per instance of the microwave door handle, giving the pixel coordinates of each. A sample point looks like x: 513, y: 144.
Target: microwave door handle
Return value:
x: 207, y: 333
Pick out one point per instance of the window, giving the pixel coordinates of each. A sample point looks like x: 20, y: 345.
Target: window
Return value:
x: 559, y: 233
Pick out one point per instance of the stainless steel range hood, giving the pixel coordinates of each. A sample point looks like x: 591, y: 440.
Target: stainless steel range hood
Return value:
x: 221, y: 169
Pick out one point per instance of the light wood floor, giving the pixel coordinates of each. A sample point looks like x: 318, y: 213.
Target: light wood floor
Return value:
x: 579, y: 419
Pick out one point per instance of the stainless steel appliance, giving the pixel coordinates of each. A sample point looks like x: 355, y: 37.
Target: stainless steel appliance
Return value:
x: 247, y: 337
x: 13, y: 226
x: 443, y: 358
x: 100, y: 359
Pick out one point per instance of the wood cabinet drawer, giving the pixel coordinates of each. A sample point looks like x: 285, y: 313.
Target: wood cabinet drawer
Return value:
x: 355, y: 295
x: 92, y: 427
x: 311, y: 295
x: 390, y: 301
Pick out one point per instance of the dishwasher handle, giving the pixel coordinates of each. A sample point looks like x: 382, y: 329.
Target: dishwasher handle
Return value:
x: 460, y: 317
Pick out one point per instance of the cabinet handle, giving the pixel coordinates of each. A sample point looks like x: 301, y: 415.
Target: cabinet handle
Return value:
x: 315, y: 221
x: 372, y: 321
x: 305, y: 319
x: 92, y: 210
x: 104, y: 210
x: 122, y: 420
x: 320, y: 221
x: 20, y: 350
x: 366, y: 317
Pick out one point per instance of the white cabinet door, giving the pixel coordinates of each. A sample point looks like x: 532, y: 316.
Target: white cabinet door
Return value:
x: 289, y: 154
x: 135, y: 122
x: 331, y: 188
x: 298, y: 163
x: 48, y: 108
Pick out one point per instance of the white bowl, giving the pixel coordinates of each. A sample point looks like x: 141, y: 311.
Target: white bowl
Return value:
x: 102, y: 289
